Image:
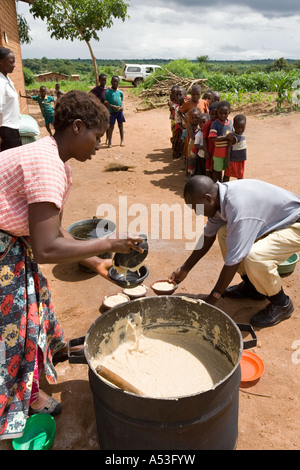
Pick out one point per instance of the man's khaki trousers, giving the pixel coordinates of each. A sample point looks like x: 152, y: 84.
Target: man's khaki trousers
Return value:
x: 266, y: 254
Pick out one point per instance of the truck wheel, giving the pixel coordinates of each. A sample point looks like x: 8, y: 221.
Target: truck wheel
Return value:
x: 137, y: 81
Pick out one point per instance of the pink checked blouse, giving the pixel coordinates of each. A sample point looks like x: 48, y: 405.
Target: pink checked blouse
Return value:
x: 29, y: 174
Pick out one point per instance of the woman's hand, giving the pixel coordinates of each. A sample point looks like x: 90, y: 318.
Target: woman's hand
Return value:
x: 123, y: 244
x: 50, y: 243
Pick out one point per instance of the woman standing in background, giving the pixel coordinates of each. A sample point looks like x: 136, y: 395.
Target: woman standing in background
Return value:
x: 9, y: 103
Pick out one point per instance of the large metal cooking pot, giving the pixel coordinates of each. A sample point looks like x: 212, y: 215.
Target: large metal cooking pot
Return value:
x: 207, y: 420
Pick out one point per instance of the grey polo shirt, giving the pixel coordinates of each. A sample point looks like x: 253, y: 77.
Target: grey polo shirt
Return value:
x: 251, y: 209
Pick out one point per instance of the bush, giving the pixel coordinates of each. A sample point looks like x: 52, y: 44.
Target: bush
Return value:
x: 28, y: 76
x: 181, y: 68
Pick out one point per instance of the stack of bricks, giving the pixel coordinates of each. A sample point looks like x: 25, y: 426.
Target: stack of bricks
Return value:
x: 9, y: 37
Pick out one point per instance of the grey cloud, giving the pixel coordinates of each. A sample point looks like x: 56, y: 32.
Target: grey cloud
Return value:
x: 231, y: 48
x: 266, y: 7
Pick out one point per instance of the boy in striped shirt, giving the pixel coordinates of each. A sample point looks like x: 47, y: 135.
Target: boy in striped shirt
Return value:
x: 220, y: 134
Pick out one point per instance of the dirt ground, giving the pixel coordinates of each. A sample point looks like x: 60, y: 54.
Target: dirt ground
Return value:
x: 269, y: 409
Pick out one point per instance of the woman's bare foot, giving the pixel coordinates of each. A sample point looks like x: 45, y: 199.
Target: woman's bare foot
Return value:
x: 45, y: 404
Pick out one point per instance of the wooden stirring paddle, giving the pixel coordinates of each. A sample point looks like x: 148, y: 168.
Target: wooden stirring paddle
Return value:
x: 117, y: 380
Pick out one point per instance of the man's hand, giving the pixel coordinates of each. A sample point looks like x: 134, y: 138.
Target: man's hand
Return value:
x: 179, y: 275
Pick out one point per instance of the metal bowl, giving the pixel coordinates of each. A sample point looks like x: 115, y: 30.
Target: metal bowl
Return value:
x: 134, y: 258
x: 132, y: 279
x: 89, y: 229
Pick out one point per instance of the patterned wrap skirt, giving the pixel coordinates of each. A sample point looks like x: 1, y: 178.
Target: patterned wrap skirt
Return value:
x: 27, y: 326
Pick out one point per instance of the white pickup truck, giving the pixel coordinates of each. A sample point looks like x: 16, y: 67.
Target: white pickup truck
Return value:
x: 136, y: 73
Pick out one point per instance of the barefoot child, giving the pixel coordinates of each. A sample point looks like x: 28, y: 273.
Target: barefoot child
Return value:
x: 44, y: 102
x: 172, y: 107
x: 220, y: 134
x: 100, y: 91
x: 193, y: 129
x: 184, y: 112
x: 208, y: 144
x: 198, y: 148
x: 237, y: 150
x: 180, y: 126
x: 114, y: 102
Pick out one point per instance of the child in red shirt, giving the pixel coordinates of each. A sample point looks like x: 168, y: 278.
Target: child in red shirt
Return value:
x: 208, y: 144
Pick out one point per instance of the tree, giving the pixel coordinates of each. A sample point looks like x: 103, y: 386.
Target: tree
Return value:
x: 23, y: 30
x: 202, y: 59
x: 279, y: 64
x: 79, y: 19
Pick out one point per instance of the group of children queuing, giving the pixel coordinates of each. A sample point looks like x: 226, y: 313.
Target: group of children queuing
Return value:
x: 203, y: 135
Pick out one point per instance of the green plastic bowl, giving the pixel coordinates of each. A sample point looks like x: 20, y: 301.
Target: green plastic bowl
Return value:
x: 288, y: 266
x: 38, y: 434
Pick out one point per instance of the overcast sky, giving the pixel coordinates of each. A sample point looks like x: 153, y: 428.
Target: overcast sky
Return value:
x: 172, y: 29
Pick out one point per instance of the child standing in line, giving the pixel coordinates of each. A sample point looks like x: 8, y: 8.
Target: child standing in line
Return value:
x: 237, y: 149
x: 208, y: 144
x: 220, y: 133
x: 44, y: 102
x: 114, y: 102
x: 193, y: 129
x: 184, y: 111
x: 180, y: 126
x: 216, y: 97
x: 198, y: 148
x: 172, y: 107
x: 205, y: 101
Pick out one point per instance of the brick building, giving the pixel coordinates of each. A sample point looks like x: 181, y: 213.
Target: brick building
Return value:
x: 9, y: 37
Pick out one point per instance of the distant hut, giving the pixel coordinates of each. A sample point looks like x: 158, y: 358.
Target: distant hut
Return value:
x: 51, y: 77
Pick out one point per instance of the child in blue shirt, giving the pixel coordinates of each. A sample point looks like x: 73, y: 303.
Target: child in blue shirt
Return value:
x: 114, y: 101
x: 45, y: 105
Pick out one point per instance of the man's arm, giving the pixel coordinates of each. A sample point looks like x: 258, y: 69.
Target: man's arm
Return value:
x: 225, y: 278
x: 180, y: 274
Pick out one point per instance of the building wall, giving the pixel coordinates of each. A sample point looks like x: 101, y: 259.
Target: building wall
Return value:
x: 9, y: 37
